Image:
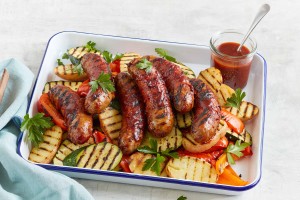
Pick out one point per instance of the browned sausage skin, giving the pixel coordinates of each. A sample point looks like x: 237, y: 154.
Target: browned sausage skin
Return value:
x: 180, y: 89
x: 80, y: 125
x: 94, y: 65
x: 207, y: 113
x: 160, y: 117
x: 133, y: 117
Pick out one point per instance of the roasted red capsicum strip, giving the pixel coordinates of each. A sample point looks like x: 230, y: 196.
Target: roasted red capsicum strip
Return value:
x: 124, y: 164
x: 208, y: 157
x: 221, y: 144
x: 84, y: 88
x: 115, y: 66
x: 232, y: 121
x: 45, y: 106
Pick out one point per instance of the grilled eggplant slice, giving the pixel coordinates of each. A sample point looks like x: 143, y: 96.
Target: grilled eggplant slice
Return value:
x: 136, y: 163
x: 66, y: 148
x: 78, y: 52
x: 184, y: 120
x: 103, y: 156
x: 244, y: 136
x: 191, y: 168
x: 172, y: 141
x: 47, y: 149
x: 67, y: 72
x: 111, y: 122
x: 245, y: 112
x: 186, y: 70
x: 73, y: 85
x: 127, y: 57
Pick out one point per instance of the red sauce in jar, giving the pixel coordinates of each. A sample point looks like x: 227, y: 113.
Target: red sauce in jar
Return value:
x: 235, y: 71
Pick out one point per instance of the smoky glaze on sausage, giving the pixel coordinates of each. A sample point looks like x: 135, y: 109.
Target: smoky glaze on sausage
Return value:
x: 207, y: 113
x: 179, y: 87
x: 160, y: 117
x: 133, y: 117
x: 94, y: 65
x: 80, y: 125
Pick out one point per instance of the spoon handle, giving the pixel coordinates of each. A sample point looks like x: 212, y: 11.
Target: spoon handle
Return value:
x: 264, y: 9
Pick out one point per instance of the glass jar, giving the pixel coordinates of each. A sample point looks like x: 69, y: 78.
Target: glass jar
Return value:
x: 234, y: 66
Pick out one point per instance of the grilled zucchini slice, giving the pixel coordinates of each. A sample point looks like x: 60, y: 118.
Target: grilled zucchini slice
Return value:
x: 172, y: 141
x: 136, y: 163
x: 212, y: 77
x: 67, y: 72
x: 191, y: 168
x: 127, y: 58
x: 73, y: 85
x: 192, y: 146
x: 245, y: 112
x: 184, y: 120
x: 186, y: 70
x: 68, y: 147
x: 111, y: 122
x: 104, y: 156
x: 244, y: 136
x: 78, y: 52
x: 47, y: 149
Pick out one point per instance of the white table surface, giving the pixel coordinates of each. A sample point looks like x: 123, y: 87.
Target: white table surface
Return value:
x: 26, y: 26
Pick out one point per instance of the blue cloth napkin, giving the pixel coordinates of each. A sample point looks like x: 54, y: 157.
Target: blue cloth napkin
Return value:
x: 20, y: 179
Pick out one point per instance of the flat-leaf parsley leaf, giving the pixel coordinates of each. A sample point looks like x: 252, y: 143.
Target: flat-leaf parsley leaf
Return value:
x: 236, y: 99
x: 36, y: 127
x: 145, y: 64
x: 104, y: 82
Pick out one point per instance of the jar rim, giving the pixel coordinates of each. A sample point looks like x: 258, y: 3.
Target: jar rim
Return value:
x: 234, y: 31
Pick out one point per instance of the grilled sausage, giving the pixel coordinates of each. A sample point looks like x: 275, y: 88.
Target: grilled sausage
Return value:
x: 207, y: 113
x: 133, y: 118
x: 180, y: 89
x: 80, y: 125
x: 94, y: 65
x: 160, y: 117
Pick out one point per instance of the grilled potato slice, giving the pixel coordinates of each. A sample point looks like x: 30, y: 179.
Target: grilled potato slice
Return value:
x: 191, y: 168
x: 136, y: 163
x: 192, y: 146
x: 212, y: 77
x: 66, y: 148
x: 172, y: 141
x: 67, y: 72
x: 73, y: 85
x: 111, y: 122
x: 186, y: 70
x: 127, y: 57
x: 78, y: 52
x: 104, y: 156
x: 183, y: 120
x: 46, y: 150
x: 245, y: 112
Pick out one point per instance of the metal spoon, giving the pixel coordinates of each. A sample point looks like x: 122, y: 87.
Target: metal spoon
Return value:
x: 264, y: 9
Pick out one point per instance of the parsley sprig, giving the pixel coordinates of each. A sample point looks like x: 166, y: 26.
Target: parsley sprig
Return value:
x: 59, y: 62
x: 36, y: 127
x: 235, y: 149
x: 104, y: 82
x: 108, y: 57
x: 236, y: 99
x: 163, y: 53
x: 154, y: 163
x: 76, y: 62
x: 91, y: 46
x: 145, y: 64
x: 182, y: 198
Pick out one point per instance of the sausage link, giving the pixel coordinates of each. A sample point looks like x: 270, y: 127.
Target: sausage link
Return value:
x: 207, y: 113
x: 133, y: 118
x: 80, y: 125
x: 160, y: 117
x: 179, y: 87
x: 94, y: 65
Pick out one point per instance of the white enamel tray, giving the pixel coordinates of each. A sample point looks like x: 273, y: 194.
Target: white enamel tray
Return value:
x: 195, y: 56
